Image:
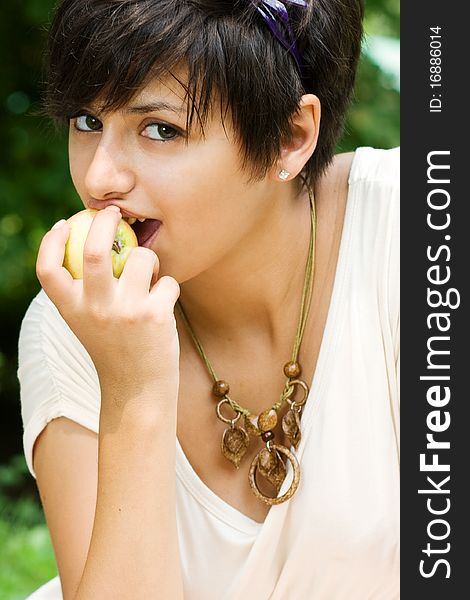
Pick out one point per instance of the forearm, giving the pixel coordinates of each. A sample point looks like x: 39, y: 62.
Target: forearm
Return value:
x: 134, y: 549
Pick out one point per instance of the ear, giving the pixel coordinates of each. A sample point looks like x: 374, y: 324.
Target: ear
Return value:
x: 305, y: 128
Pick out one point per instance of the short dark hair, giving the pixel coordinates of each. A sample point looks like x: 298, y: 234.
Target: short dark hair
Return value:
x: 109, y: 49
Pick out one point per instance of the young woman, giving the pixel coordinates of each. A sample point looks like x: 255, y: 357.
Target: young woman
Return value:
x: 221, y: 422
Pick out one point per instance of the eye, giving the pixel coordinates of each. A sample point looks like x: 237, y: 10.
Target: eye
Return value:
x: 87, y: 123
x: 160, y: 132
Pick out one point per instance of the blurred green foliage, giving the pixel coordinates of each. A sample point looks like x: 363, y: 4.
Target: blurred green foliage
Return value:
x: 36, y: 191
x: 26, y: 554
x: 374, y: 117
x: 27, y: 559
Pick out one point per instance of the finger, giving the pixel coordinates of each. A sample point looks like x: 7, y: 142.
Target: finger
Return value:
x: 53, y: 277
x: 98, y: 280
x: 164, y: 295
x: 140, y: 270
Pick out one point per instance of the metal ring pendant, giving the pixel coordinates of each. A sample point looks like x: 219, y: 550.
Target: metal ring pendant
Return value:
x: 221, y: 416
x: 304, y: 386
x: 295, y: 480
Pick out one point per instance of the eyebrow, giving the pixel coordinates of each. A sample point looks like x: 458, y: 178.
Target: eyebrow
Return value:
x: 157, y: 105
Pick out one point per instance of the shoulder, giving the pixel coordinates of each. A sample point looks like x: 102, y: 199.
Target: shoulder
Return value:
x: 364, y: 182
x: 374, y: 193
x: 48, y: 347
x: 364, y: 165
x: 374, y: 209
x: 375, y: 165
x: 40, y: 329
x: 44, y: 330
x: 56, y: 374
x: 42, y: 311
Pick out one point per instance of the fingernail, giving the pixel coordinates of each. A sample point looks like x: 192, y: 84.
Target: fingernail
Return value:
x: 113, y: 208
x: 58, y: 224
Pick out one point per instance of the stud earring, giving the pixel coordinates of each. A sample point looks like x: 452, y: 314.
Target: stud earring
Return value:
x: 283, y: 174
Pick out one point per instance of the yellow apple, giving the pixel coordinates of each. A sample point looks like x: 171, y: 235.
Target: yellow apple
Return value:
x: 79, y: 225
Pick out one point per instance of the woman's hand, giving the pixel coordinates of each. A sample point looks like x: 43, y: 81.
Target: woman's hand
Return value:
x: 127, y: 325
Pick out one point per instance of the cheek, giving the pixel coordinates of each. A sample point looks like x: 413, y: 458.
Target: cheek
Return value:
x: 204, y: 182
x: 195, y: 228
x: 204, y: 208
x: 206, y: 218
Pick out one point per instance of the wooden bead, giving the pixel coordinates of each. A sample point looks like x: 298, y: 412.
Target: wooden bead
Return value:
x: 267, y: 420
x: 220, y: 388
x: 267, y: 435
x: 292, y: 369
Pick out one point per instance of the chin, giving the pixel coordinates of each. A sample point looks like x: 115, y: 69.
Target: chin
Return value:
x: 181, y: 263
x: 168, y: 267
x: 182, y: 272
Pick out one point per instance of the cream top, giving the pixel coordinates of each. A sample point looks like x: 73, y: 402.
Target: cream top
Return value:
x: 338, y: 537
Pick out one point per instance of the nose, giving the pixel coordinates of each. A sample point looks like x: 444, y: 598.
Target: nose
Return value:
x: 109, y: 174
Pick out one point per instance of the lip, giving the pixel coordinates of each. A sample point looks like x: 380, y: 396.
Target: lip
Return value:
x: 124, y: 212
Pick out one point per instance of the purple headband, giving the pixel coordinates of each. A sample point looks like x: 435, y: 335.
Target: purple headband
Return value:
x: 274, y: 13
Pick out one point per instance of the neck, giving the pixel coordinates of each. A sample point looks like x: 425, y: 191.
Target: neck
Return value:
x: 256, y: 289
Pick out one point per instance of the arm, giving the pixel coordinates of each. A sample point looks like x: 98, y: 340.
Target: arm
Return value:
x: 128, y: 328
x: 133, y: 551
x: 66, y: 466
x: 65, y: 459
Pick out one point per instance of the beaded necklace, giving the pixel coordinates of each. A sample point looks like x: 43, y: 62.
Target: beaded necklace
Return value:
x: 235, y: 441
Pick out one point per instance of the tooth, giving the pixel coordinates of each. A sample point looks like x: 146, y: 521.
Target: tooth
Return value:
x: 131, y: 220
x: 141, y: 220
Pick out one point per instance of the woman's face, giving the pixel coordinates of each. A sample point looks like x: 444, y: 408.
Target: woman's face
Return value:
x: 137, y: 158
